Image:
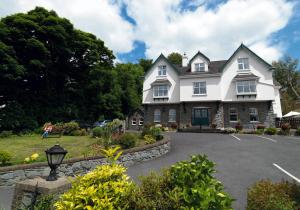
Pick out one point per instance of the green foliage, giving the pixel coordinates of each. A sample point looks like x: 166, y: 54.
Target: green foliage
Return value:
x: 229, y: 130
x: 259, y: 131
x: 106, y: 187
x: 195, y: 186
x: 111, y: 154
x: 145, y: 64
x: 149, y: 139
x: 44, y: 203
x: 175, y: 58
x: 128, y: 140
x: 70, y: 127
x: 152, y: 192
x: 98, y: 132
x: 286, y: 72
x: 80, y: 132
x: 5, y: 134
x: 270, y: 131
x: 5, y: 157
x: 186, y: 185
x: 285, y: 129
x: 50, y: 71
x: 297, y: 133
x: 273, y: 196
x: 156, y: 133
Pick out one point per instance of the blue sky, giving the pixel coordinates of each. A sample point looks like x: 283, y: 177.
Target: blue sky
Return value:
x: 136, y: 29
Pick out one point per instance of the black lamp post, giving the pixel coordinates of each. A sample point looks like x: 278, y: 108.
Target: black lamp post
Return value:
x: 55, y: 156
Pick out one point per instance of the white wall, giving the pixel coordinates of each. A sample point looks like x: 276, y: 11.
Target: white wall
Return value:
x: 212, y: 89
x: 277, y: 103
x: 152, y: 75
x: 199, y: 59
x: 264, y: 87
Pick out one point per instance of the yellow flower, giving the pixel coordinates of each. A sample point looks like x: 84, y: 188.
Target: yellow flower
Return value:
x: 34, y: 156
x: 27, y: 160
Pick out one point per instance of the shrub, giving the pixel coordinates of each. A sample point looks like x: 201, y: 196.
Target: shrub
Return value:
x: 5, y: 134
x: 149, y: 139
x: 270, y: 131
x: 128, y: 140
x: 259, y: 131
x: 229, y: 130
x: 44, y: 202
x: 156, y: 133
x: 297, y: 133
x: 80, y: 132
x: 106, y: 187
x: 98, y: 132
x: 238, y: 127
x: 260, y: 126
x: 272, y: 196
x: 146, y: 130
x: 186, y: 185
x: 285, y: 129
x: 58, y: 128
x: 174, y: 126
x: 69, y: 127
x: 152, y: 193
x: 5, y: 157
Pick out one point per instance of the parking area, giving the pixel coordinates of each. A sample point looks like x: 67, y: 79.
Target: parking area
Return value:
x: 241, y: 160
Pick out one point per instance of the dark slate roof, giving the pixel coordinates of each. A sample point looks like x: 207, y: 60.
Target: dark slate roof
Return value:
x: 246, y: 76
x: 213, y: 67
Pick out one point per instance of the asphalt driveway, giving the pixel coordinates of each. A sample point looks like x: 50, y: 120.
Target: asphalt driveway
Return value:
x: 241, y: 160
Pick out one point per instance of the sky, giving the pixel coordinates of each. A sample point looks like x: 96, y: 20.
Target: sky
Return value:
x: 136, y: 29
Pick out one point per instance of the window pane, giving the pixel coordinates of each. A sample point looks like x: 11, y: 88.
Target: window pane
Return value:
x: 172, y: 115
x: 156, y: 115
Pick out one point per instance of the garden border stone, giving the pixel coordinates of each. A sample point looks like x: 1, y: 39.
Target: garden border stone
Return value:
x: 10, y: 175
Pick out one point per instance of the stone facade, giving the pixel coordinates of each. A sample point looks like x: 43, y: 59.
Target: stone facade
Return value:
x: 263, y: 109
x: 218, y: 113
x: 137, y: 116
x: 10, y: 175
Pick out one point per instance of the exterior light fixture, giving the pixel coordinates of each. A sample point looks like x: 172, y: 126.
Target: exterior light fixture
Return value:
x: 55, y: 156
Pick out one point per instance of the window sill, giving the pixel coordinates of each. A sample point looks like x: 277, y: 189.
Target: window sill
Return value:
x: 243, y: 70
x: 254, y: 121
x: 172, y: 121
x: 159, y: 97
x: 161, y: 76
x: 233, y: 121
x: 133, y: 124
x: 199, y: 94
x: 246, y: 94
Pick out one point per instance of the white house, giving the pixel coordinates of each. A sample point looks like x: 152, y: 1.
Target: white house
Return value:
x: 201, y: 91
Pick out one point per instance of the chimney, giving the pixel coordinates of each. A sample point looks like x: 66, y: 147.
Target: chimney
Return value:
x: 185, y: 60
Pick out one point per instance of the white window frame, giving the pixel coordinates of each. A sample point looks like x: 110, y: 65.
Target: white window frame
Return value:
x: 230, y: 114
x: 255, y: 113
x: 200, y: 67
x: 248, y: 87
x: 157, y: 116
x: 162, y: 70
x: 199, y: 88
x: 243, y: 64
x: 141, y: 121
x: 133, y: 121
x: 172, y: 115
x: 160, y: 91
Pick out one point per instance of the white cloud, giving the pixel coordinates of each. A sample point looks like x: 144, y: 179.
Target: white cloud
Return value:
x: 163, y: 26
x: 216, y: 33
x: 100, y: 17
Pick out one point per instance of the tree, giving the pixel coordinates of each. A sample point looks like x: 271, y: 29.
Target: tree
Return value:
x: 175, y: 58
x: 287, y: 74
x: 50, y: 71
x: 145, y: 63
x: 131, y: 83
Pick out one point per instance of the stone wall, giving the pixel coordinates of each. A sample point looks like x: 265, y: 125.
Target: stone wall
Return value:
x: 10, y: 175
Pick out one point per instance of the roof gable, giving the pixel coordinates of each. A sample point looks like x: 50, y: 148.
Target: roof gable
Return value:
x: 162, y: 57
x: 241, y: 47
x: 200, y: 54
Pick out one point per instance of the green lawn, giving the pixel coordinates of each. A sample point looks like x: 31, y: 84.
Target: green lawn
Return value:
x: 21, y: 147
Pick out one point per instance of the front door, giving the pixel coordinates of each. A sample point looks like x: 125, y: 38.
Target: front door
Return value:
x: 200, y: 116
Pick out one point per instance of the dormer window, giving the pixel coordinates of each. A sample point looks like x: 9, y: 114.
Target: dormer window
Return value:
x: 243, y: 63
x: 162, y: 70
x: 199, y: 67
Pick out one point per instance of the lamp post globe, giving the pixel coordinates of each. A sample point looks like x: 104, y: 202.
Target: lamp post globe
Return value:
x: 55, y: 156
